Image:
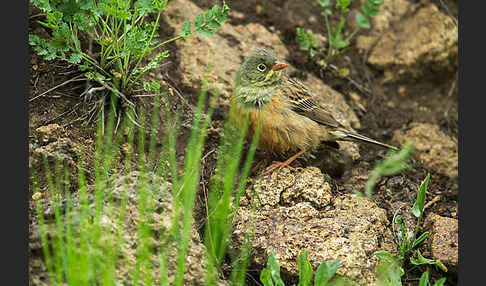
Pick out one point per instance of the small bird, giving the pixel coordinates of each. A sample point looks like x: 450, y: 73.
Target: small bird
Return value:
x: 293, y: 119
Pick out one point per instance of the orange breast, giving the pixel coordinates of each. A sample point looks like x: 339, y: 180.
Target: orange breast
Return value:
x: 283, y: 130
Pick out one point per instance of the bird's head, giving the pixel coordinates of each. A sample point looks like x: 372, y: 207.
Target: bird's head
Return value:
x: 258, y: 77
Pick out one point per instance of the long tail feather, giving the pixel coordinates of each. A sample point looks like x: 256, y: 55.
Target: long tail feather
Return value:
x: 343, y: 135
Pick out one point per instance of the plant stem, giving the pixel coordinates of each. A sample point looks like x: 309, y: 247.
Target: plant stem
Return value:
x: 328, y: 27
x: 147, y: 46
x: 352, y: 34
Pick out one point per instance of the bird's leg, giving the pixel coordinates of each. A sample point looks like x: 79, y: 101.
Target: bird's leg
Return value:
x: 259, y: 164
x: 280, y: 165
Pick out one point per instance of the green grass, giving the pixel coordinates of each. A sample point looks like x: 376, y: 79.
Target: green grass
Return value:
x: 81, y: 249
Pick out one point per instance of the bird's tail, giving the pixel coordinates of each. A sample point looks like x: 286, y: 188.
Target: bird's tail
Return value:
x: 344, y: 135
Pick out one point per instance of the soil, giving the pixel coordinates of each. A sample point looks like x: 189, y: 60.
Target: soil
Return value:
x: 388, y: 108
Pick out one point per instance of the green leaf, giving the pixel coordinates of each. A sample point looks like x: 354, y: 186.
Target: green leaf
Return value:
x: 306, y: 40
x: 209, y: 15
x: 305, y: 269
x: 440, y: 282
x: 75, y: 58
x: 325, y: 272
x: 44, y: 5
x: 324, y: 3
x: 420, y: 260
x: 388, y: 270
x: 418, y: 206
x: 266, y: 277
x: 216, y: 11
x: 322, y: 275
x: 419, y: 239
x: 186, y: 29
x: 275, y: 270
x: 161, y: 4
x: 362, y: 21
x: 371, y: 7
x: 424, y: 279
x: 205, y: 31
x: 343, y: 3
x: 151, y: 86
x: 199, y: 20
x: 214, y: 25
x: 333, y: 267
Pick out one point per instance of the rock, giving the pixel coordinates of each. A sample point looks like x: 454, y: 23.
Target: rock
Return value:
x: 49, y: 142
x: 49, y: 133
x: 390, y: 11
x: 62, y: 151
x: 425, y: 43
x: 433, y: 148
x: 227, y: 49
x: 296, y: 211
x: 444, y: 239
x: 160, y: 195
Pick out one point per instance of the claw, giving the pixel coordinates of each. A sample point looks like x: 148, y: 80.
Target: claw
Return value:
x: 280, y: 165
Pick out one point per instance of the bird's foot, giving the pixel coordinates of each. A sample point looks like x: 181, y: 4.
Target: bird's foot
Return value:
x: 279, y: 165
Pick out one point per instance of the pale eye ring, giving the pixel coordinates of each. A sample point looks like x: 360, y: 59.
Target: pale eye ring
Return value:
x: 261, y: 67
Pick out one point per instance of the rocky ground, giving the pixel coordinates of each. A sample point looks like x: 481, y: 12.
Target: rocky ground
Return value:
x: 402, y: 87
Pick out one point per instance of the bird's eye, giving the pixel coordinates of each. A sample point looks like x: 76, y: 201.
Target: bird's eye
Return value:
x: 261, y: 67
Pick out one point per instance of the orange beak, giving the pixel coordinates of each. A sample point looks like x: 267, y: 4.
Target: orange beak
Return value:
x: 278, y: 66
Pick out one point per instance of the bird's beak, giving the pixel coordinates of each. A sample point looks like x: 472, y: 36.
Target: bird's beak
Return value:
x: 279, y: 66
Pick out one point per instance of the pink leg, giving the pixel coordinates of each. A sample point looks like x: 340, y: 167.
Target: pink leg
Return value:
x: 280, y: 165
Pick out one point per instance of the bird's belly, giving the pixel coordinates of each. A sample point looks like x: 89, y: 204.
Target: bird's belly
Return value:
x: 284, y: 131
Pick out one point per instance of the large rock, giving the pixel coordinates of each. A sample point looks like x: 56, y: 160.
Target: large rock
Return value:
x: 160, y: 196
x: 296, y: 211
x: 444, y: 239
x: 226, y: 50
x: 433, y: 148
x: 424, y: 43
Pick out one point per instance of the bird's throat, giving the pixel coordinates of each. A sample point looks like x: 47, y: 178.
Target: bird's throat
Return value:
x: 255, y: 97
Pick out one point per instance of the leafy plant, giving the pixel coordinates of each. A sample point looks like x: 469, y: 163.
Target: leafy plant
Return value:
x: 424, y: 280
x: 390, y: 268
x: 120, y: 33
x: 270, y: 275
x: 395, y: 162
x: 337, y: 42
x: 306, y: 41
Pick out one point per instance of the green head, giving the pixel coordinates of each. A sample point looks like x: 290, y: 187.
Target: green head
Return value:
x: 258, y: 77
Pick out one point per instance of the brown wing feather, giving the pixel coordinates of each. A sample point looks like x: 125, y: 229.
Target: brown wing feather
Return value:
x: 305, y: 103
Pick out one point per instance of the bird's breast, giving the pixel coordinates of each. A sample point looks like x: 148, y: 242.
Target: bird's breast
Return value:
x: 283, y: 130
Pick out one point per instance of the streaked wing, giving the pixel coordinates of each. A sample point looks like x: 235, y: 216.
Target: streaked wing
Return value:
x: 304, y: 103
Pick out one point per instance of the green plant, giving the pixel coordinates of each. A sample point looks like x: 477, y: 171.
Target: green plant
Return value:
x: 390, y: 269
x: 120, y: 33
x: 270, y: 275
x: 81, y: 249
x: 306, y: 41
x: 224, y: 197
x: 395, y: 162
x: 337, y: 42
x: 424, y: 280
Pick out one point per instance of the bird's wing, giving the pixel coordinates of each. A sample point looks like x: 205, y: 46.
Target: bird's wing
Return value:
x: 305, y: 103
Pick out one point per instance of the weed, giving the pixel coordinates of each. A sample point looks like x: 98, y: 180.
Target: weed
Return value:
x: 270, y: 275
x: 395, y: 162
x: 121, y: 36
x: 86, y: 250
x: 390, y: 268
x: 306, y: 41
x: 337, y: 42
